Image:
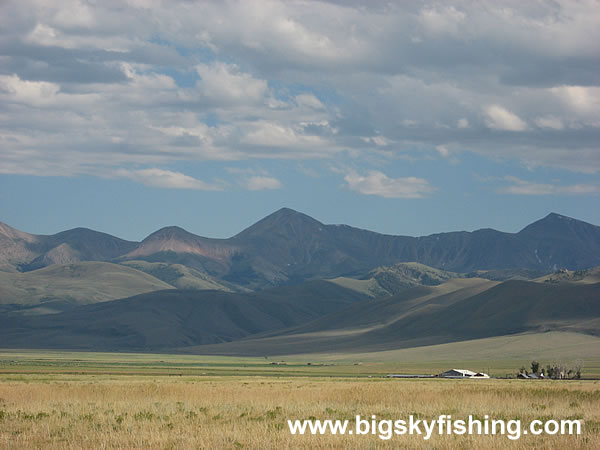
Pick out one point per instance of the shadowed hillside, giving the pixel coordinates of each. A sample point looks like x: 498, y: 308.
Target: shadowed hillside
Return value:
x: 421, y: 316
x: 175, y: 318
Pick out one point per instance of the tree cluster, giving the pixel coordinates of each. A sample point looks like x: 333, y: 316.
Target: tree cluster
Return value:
x: 556, y: 371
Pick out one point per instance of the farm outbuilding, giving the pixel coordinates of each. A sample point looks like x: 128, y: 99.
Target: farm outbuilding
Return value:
x: 457, y: 373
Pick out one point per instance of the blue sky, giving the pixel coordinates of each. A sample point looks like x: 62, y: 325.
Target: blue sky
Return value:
x: 404, y: 119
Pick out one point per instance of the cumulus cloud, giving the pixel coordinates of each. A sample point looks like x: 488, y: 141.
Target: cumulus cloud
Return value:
x: 439, y: 20
x: 260, y: 183
x: 553, y: 123
x: 501, y: 119
x: 31, y: 93
x: 518, y: 186
x: 225, y: 83
x: 254, y: 179
x: 379, y: 184
x: 91, y: 88
x: 166, y: 179
x: 268, y: 134
x: 379, y: 141
x: 581, y: 99
x: 443, y: 150
x: 310, y: 101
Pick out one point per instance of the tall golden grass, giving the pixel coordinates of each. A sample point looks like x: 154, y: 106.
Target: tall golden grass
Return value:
x: 247, y: 412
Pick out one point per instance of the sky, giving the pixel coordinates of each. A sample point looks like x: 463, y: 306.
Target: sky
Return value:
x: 405, y: 118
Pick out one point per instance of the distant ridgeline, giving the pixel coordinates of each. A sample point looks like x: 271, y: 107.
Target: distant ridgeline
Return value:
x: 289, y: 247
x: 290, y: 284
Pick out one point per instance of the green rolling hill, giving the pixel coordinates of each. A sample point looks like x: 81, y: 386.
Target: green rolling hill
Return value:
x: 385, y: 281
x: 183, y: 277
x: 62, y: 286
x: 585, y: 276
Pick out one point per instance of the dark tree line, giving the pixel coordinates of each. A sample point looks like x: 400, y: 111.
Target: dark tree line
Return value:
x: 556, y: 371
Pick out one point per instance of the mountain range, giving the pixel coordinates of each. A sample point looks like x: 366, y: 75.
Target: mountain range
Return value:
x: 291, y: 284
x: 289, y: 247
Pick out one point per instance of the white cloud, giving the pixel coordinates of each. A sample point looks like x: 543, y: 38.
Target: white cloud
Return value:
x: 553, y: 123
x: 440, y: 20
x: 501, y: 119
x: 272, y: 134
x: 377, y: 183
x: 254, y: 179
x: 166, y: 179
x: 380, y: 141
x: 224, y: 82
x: 443, y: 150
x: 580, y: 98
x: 85, y: 89
x: 35, y: 93
x: 309, y: 101
x: 523, y: 187
x: 580, y: 104
x: 75, y: 14
x: 260, y: 183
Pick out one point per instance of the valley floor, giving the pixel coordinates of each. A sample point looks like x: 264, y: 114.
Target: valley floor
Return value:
x: 103, y: 400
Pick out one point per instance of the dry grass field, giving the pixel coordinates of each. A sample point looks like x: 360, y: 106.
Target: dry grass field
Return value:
x: 147, y: 411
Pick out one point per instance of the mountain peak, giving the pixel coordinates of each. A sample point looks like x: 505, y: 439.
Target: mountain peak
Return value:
x: 169, y: 239
x: 556, y: 223
x: 286, y: 210
x: 80, y: 235
x: 170, y: 233
x: 283, y: 221
x: 291, y: 214
x: 556, y: 216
